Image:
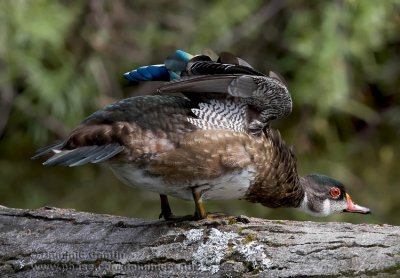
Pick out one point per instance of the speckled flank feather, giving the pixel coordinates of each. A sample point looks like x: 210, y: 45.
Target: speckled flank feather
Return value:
x: 220, y: 115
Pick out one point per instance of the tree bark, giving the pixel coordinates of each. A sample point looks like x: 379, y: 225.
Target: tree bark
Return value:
x: 52, y: 242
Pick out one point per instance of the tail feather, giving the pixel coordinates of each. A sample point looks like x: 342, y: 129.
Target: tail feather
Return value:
x: 45, y: 150
x: 83, y: 155
x: 210, y: 67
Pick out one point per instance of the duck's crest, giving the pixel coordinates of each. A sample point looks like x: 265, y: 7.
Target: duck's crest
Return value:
x: 220, y: 114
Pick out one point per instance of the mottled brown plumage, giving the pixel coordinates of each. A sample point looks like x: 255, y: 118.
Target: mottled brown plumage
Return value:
x: 204, y: 147
x: 176, y: 151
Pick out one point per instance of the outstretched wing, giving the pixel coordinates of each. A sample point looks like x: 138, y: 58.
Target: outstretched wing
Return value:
x: 266, y: 97
x: 201, y: 79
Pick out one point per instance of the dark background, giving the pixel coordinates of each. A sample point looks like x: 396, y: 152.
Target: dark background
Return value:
x: 62, y: 60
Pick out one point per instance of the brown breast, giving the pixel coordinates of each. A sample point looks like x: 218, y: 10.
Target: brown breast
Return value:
x: 207, y: 154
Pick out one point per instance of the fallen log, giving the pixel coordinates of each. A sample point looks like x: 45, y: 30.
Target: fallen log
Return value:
x: 52, y: 242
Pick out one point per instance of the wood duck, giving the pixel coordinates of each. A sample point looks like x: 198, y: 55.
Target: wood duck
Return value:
x: 213, y: 142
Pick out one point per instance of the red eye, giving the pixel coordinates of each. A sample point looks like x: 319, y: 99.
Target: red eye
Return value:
x: 335, y: 192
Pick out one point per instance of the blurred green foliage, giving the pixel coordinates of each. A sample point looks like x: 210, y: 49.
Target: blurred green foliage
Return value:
x: 62, y: 60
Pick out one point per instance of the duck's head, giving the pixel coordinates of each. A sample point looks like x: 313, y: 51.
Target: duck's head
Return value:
x: 324, y: 196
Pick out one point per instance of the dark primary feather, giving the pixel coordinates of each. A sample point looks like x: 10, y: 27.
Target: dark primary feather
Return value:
x: 210, y: 67
x: 47, y: 149
x: 229, y: 58
x: 83, y: 155
x: 221, y: 83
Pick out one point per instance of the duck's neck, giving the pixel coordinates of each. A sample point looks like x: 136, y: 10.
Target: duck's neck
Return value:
x: 311, y: 203
x: 277, y: 183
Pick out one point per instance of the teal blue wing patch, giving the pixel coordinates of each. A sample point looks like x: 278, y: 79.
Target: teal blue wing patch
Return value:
x: 148, y: 73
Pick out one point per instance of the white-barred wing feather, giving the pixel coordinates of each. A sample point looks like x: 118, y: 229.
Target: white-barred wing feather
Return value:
x: 220, y: 114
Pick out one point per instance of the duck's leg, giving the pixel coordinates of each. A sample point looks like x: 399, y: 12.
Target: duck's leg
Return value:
x: 200, y: 212
x: 166, y: 212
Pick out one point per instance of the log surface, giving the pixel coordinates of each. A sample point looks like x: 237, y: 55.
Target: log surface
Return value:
x: 51, y: 242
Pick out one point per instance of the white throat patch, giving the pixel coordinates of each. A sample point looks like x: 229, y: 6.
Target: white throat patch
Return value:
x: 326, y: 207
